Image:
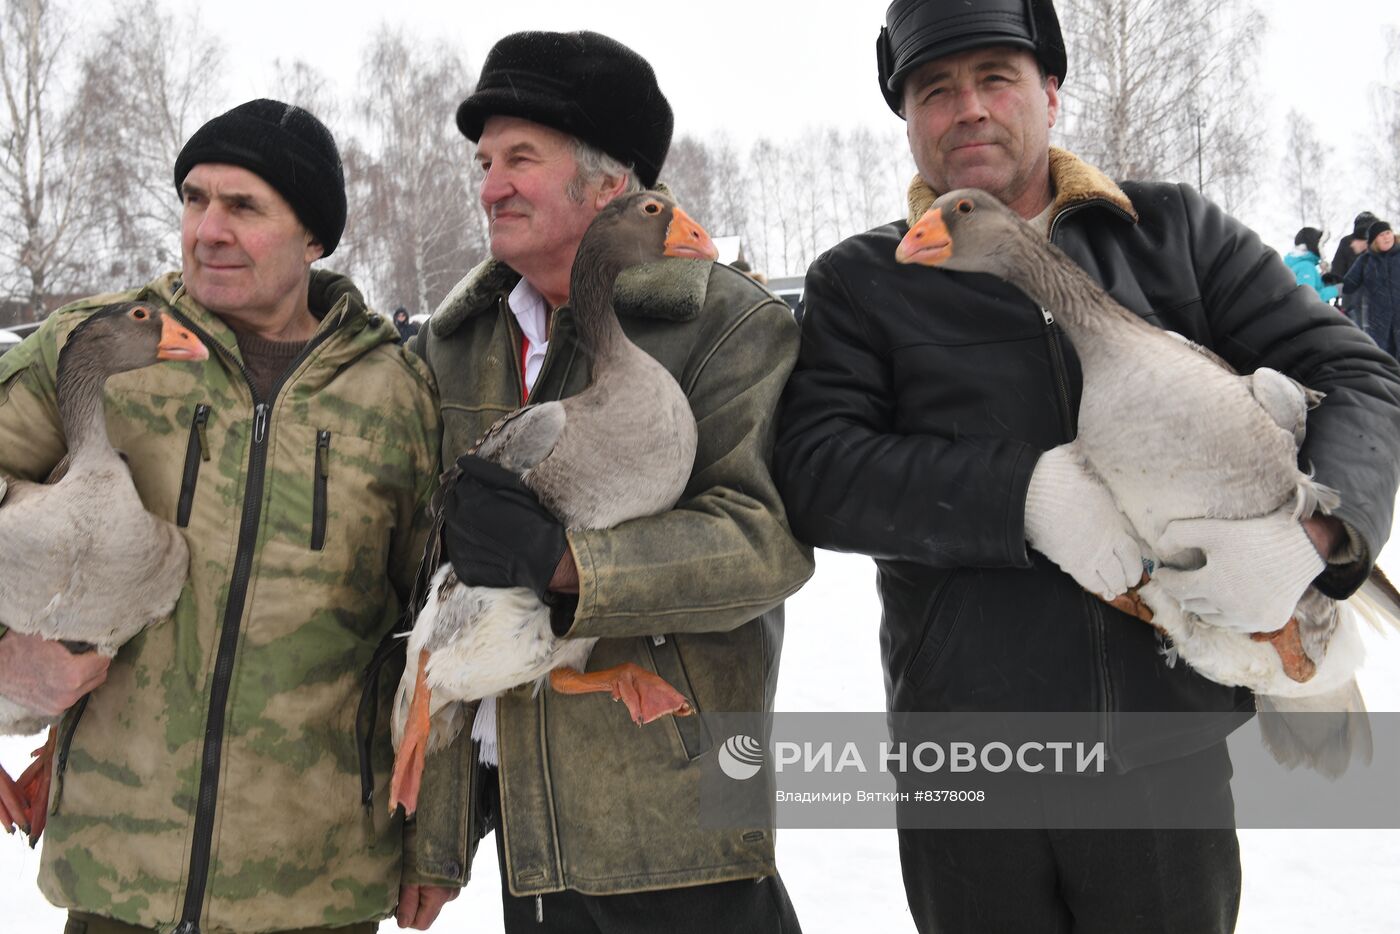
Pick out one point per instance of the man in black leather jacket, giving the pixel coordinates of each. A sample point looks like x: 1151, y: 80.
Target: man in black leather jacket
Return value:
x: 923, y: 426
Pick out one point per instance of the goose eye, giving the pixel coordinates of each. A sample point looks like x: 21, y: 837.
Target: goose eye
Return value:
x: 651, y: 207
x: 965, y: 206
x: 140, y: 314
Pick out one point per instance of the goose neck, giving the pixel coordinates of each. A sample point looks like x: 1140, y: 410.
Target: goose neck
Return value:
x: 1056, y: 282
x: 591, y: 291
x: 80, y: 407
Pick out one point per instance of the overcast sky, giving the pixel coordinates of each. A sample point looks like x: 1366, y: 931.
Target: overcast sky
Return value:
x: 776, y: 66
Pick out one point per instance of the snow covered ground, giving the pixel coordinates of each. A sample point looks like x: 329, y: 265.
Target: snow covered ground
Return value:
x: 1294, y: 881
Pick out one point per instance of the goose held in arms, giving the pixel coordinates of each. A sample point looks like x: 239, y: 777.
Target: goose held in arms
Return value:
x: 81, y: 560
x: 1174, y: 433
x: 620, y: 449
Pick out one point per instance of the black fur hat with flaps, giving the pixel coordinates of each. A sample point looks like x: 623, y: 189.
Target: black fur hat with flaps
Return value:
x: 581, y: 83
x: 918, y: 31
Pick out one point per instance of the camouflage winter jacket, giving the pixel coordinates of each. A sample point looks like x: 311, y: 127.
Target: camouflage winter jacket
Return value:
x: 591, y: 802
x: 214, y: 777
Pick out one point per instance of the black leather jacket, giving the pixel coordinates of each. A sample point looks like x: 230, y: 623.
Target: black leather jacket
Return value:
x: 923, y: 398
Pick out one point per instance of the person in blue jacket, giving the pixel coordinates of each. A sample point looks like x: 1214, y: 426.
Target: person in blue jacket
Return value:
x: 1305, y: 262
x: 1376, y: 274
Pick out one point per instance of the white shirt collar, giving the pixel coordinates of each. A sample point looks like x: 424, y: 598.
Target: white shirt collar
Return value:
x: 531, y: 312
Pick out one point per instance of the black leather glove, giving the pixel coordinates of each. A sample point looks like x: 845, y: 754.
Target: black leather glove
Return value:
x: 495, y: 531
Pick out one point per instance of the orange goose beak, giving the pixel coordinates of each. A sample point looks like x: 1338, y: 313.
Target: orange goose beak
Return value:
x: 928, y: 242
x: 177, y: 343
x: 687, y: 239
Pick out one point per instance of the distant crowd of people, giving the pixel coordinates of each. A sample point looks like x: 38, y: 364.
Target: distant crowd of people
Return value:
x: 1363, y: 279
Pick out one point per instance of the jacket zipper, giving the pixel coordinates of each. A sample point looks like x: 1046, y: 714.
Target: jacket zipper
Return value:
x: 1058, y: 358
x: 550, y: 354
x: 205, y: 802
x: 196, y: 451
x: 318, y: 496
x: 65, y: 745
x: 1101, y: 647
x: 1057, y: 364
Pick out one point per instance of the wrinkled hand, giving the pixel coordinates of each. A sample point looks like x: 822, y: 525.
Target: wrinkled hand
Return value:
x: 1071, y: 518
x: 44, y: 676
x: 495, y: 531
x: 1241, y: 574
x: 419, y: 905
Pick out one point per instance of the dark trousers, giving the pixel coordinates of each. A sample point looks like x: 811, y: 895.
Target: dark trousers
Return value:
x: 1128, y: 881
x: 81, y: 923
x: 745, y: 906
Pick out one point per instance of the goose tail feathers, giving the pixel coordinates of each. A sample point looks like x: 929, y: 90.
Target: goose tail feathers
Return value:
x: 1378, y: 602
x: 1324, y: 732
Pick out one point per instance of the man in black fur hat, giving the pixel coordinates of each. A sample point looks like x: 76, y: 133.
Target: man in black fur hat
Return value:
x: 597, y: 822
x: 928, y: 423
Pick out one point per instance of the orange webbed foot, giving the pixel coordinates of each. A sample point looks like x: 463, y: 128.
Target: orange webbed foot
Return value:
x: 35, y: 782
x: 648, y: 696
x: 1288, y: 643
x: 407, y: 780
x: 14, y: 806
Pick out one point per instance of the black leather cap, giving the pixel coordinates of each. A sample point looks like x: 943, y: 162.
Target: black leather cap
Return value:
x: 918, y: 31
x: 582, y: 83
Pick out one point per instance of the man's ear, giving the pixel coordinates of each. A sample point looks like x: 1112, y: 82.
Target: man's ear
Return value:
x: 314, y: 249
x: 611, y: 188
x: 1052, y: 97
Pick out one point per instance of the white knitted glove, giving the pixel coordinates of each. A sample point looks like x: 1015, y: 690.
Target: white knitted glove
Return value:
x: 1071, y: 518
x: 1241, y: 574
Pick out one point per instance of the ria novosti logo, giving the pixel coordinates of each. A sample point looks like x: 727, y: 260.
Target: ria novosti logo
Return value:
x: 741, y: 757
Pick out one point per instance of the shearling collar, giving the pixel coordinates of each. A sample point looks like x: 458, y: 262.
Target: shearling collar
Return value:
x: 1076, y: 182
x: 669, y: 289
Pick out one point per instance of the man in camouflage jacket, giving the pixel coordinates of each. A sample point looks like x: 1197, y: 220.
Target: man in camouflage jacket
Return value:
x: 598, y: 823
x: 212, y: 783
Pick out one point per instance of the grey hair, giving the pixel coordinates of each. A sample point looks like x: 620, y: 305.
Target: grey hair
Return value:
x: 594, y: 164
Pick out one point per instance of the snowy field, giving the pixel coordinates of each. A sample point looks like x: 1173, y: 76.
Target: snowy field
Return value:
x: 1294, y: 881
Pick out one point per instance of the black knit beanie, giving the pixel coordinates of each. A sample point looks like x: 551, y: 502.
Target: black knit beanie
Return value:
x: 1375, y: 230
x: 1311, y: 238
x: 286, y: 147
x: 581, y: 83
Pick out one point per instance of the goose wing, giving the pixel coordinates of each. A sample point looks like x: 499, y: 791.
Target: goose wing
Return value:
x: 521, y: 440
x: 37, y: 558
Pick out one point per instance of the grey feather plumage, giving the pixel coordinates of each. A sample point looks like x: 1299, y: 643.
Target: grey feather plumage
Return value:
x: 1142, y: 431
x: 81, y: 559
x: 621, y: 449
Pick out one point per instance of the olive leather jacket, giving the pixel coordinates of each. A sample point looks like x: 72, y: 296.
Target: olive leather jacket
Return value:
x: 590, y: 801
x: 922, y: 399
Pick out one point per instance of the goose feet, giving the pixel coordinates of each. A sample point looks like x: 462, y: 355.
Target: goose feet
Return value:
x: 648, y: 697
x: 407, y: 780
x: 14, y: 807
x: 24, y: 803
x: 1288, y: 643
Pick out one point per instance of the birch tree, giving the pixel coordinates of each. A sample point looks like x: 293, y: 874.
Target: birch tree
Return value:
x: 149, y: 80
x: 414, y: 217
x: 1304, y: 168
x: 1385, y: 157
x: 1163, y: 89
x: 45, y: 161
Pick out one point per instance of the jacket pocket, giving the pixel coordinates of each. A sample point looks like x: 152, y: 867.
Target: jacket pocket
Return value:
x: 196, y: 451
x: 318, y: 494
x: 944, y: 610
x: 66, y: 728
x: 667, y: 662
